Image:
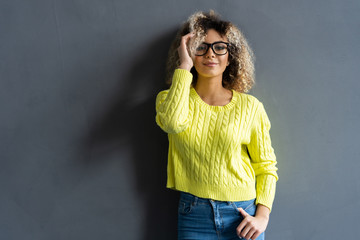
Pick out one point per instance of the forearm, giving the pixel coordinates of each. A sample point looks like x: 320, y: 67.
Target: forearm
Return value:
x: 262, y: 211
x: 172, y: 106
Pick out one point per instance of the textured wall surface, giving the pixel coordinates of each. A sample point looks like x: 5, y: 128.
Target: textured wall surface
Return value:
x: 81, y: 156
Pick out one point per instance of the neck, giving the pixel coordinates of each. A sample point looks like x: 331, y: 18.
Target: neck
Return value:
x: 209, y: 88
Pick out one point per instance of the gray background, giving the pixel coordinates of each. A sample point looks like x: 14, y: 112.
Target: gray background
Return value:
x: 82, y: 158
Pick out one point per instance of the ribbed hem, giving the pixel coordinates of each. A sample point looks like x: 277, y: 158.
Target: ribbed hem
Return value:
x: 198, y: 99
x: 220, y: 193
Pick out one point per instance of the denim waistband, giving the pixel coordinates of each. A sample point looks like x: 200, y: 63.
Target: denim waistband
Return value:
x: 195, y: 199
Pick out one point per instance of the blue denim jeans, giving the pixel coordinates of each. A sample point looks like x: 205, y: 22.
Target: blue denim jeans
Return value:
x: 201, y: 218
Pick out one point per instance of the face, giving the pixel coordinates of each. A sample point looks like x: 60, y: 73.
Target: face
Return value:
x: 210, y: 64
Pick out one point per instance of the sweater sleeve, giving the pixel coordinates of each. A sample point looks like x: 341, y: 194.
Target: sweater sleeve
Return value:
x: 172, y: 105
x: 263, y: 158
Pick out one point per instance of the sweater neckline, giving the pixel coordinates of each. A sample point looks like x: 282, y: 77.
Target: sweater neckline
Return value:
x: 198, y: 99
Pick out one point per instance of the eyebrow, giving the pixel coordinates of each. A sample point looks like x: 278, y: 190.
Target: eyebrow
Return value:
x: 215, y: 42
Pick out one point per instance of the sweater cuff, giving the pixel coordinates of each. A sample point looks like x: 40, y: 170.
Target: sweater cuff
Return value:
x: 181, y: 76
x: 265, y: 190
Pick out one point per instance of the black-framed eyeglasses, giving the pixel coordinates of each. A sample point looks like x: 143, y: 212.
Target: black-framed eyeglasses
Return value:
x: 219, y: 48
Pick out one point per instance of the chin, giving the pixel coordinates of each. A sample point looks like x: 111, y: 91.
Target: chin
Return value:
x: 210, y: 73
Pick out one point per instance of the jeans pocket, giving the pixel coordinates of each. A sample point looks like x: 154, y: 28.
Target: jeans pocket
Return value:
x: 185, y: 207
x: 248, y: 206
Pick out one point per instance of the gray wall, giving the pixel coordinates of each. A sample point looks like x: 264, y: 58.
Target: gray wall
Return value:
x: 82, y: 158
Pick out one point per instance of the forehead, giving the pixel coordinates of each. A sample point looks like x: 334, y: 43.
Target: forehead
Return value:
x: 213, y: 36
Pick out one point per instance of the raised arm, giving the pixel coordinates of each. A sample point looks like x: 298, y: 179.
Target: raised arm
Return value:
x: 172, y: 106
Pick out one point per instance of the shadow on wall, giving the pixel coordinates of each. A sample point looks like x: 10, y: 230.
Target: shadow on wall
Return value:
x: 131, y: 118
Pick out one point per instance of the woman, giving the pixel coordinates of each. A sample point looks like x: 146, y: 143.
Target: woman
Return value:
x: 220, y: 154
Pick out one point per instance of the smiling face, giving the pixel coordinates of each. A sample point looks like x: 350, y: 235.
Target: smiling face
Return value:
x: 210, y: 64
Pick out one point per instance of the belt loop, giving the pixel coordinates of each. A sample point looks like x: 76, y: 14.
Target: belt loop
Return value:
x: 195, y: 200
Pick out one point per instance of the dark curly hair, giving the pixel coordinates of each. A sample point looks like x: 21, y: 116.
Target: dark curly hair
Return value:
x: 240, y: 74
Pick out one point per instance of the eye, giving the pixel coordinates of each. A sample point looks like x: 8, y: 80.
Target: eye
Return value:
x: 202, y: 47
x: 220, y: 47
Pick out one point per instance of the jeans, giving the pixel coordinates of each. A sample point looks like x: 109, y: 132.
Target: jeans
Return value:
x: 201, y: 218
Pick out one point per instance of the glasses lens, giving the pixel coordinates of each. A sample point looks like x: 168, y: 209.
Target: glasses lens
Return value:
x: 201, y: 49
x: 220, y: 48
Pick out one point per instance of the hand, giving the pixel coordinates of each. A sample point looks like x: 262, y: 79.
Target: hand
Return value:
x: 186, y: 61
x: 251, y: 227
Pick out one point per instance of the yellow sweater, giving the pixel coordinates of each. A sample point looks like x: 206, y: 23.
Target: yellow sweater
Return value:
x: 217, y: 152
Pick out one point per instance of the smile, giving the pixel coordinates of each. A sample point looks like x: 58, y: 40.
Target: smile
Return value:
x: 210, y: 64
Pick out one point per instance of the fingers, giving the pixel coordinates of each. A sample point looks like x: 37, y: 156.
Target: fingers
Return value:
x: 188, y: 36
x: 250, y: 227
x: 256, y: 235
x: 186, y: 61
x: 241, y: 226
x: 243, y: 222
x: 248, y: 233
x: 246, y: 228
x: 242, y: 211
x: 185, y: 39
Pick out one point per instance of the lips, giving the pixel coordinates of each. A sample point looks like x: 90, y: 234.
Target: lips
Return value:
x: 210, y: 64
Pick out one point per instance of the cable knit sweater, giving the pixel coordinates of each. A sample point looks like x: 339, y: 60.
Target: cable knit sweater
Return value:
x: 218, y: 152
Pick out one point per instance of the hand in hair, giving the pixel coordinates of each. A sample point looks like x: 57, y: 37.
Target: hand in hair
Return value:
x: 186, y: 61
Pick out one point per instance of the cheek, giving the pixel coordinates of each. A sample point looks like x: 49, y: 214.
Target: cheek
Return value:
x: 225, y: 62
x: 227, y: 59
x: 196, y: 60
x: 197, y: 63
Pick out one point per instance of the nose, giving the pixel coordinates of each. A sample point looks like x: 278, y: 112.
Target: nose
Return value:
x: 210, y: 53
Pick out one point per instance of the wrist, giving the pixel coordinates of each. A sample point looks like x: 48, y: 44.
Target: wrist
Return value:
x: 262, y: 212
x: 261, y: 216
x: 185, y: 66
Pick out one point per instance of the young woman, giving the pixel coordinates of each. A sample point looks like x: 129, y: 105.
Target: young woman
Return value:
x: 220, y: 154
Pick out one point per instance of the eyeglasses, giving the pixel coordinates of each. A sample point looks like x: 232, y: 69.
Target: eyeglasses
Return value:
x: 219, y: 48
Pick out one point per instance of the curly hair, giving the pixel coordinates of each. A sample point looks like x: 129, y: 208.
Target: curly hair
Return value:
x: 240, y: 74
